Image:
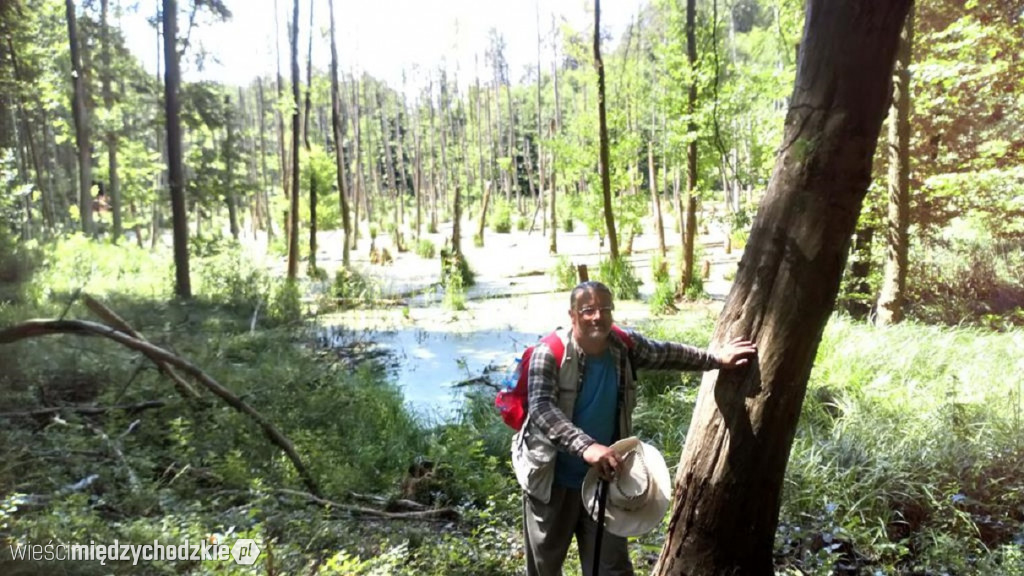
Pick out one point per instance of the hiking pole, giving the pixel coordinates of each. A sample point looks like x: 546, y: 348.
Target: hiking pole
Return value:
x: 602, y: 501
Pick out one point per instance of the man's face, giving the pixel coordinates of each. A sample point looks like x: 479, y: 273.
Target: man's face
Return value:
x: 592, y: 316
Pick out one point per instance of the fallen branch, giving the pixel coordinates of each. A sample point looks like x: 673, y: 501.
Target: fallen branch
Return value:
x: 34, y: 328
x: 115, y: 446
x: 112, y: 318
x: 400, y: 504
x: 85, y: 410
x: 442, y: 514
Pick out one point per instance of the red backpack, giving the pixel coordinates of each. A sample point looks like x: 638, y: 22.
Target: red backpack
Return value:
x: 512, y: 399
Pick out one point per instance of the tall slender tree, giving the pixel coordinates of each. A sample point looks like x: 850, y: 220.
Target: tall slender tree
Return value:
x: 338, y: 129
x: 602, y: 118
x: 894, y: 275
x: 309, y: 150
x: 113, y: 179
x: 175, y: 162
x: 293, y: 212
x: 689, y: 220
x: 80, y: 111
x: 728, y: 485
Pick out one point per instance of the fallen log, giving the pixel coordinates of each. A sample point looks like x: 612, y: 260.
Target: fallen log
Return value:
x: 35, y: 328
x: 439, y: 514
x: 85, y: 410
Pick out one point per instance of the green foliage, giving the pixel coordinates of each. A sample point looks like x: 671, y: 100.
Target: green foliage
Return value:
x: 285, y: 304
x: 77, y: 263
x: 620, y: 276
x: 662, y: 300
x: 501, y: 216
x: 967, y: 281
x: 456, y: 276
x: 353, y: 288
x: 563, y: 274
x: 321, y: 167
x: 900, y: 455
x: 231, y: 276
x: 425, y: 249
x: 17, y: 265
x: 695, y: 290
x: 454, y: 291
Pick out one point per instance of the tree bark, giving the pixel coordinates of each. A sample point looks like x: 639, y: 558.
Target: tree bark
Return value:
x: 81, y: 115
x: 360, y: 188
x: 111, y: 135
x: 339, y: 144
x: 230, y: 151
x: 265, y: 195
x: 606, y: 182
x: 659, y: 225
x: 309, y: 151
x: 894, y: 275
x: 293, y: 211
x: 689, y: 230
x: 175, y: 164
x: 282, y: 150
x: 729, y: 482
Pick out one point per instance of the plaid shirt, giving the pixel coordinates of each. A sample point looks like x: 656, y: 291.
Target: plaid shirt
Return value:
x: 647, y: 354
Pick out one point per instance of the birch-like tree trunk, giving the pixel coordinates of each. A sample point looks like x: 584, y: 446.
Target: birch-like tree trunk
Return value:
x: 894, y: 275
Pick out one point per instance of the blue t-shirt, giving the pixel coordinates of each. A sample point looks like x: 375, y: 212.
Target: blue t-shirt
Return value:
x: 594, y: 413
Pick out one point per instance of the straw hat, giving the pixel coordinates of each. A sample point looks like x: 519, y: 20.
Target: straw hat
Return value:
x: 638, y: 496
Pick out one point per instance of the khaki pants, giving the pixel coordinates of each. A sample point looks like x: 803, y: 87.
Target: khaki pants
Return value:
x: 548, y: 530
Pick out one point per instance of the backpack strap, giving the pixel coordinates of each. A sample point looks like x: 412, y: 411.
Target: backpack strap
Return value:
x: 554, y: 342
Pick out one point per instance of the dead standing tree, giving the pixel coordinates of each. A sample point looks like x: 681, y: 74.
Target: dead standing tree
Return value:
x: 729, y: 483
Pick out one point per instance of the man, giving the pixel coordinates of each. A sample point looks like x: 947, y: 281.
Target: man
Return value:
x: 577, y: 409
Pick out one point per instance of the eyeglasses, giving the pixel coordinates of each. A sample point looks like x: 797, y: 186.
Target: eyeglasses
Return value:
x: 590, y: 312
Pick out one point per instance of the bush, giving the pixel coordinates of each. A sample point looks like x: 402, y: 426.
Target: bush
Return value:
x: 425, y: 249
x: 286, y: 302
x: 563, y: 274
x: 663, y: 300
x: 501, y: 217
x: 229, y: 276
x: 17, y: 264
x: 354, y: 288
x: 620, y: 276
x: 973, y: 282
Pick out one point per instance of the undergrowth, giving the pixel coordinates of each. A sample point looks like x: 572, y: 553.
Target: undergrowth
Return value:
x: 907, y: 460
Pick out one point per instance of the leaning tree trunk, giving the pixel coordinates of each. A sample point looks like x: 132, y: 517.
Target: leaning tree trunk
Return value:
x: 894, y: 277
x: 606, y: 182
x: 729, y: 481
